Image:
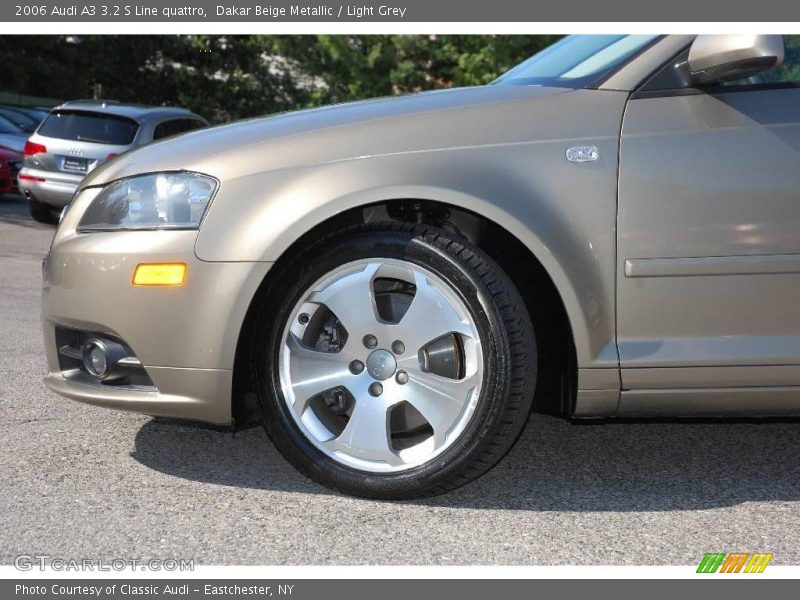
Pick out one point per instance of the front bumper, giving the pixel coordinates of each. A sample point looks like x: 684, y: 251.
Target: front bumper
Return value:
x: 55, y: 189
x: 185, y: 337
x: 197, y: 394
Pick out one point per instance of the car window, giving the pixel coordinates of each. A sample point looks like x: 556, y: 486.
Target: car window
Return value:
x: 88, y: 126
x: 7, y: 126
x: 174, y: 127
x: 675, y: 75
x: 576, y: 60
x: 19, y: 118
x: 38, y: 115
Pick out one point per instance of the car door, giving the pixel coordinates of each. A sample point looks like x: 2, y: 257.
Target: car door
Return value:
x: 709, y: 244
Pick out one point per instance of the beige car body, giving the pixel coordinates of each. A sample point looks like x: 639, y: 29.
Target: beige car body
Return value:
x: 678, y: 288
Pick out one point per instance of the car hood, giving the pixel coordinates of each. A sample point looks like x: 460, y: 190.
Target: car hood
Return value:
x: 416, y: 122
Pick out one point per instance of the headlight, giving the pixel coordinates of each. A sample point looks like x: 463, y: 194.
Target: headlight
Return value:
x: 176, y: 200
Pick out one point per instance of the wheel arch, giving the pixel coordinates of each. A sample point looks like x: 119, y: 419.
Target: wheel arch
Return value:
x: 538, y: 280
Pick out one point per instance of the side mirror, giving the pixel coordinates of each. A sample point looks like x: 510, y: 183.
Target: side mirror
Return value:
x: 730, y: 57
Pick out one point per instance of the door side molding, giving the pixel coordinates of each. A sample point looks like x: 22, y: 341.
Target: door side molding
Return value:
x: 713, y: 265
x: 778, y: 401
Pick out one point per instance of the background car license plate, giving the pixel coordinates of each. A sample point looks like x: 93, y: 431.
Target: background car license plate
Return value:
x: 76, y: 165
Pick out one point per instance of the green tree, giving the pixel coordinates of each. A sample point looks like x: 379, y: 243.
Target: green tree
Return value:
x: 353, y: 67
x: 232, y: 77
x: 790, y: 70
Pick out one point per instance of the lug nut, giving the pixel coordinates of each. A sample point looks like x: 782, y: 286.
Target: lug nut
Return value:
x: 370, y: 341
x: 376, y: 389
x: 356, y: 367
x: 401, y: 377
x: 304, y: 318
x: 398, y: 347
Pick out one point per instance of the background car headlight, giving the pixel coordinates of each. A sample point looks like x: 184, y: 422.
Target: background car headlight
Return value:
x: 175, y: 200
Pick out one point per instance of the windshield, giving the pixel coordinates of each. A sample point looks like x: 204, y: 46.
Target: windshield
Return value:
x: 86, y: 126
x: 7, y: 126
x: 576, y: 60
x: 20, y: 119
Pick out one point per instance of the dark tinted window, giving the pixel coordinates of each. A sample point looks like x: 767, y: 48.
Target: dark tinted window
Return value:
x: 174, y: 127
x: 86, y: 126
x: 7, y: 126
x: 19, y: 118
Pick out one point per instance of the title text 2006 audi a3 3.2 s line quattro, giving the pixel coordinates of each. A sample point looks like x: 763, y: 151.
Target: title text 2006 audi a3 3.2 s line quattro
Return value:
x: 610, y: 228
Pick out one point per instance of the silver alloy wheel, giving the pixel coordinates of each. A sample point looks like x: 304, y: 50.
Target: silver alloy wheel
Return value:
x: 348, y: 387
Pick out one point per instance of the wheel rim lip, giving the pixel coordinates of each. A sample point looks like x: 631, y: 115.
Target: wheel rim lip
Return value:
x: 418, y: 455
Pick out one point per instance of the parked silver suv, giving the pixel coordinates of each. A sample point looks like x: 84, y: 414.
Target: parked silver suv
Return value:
x: 78, y: 136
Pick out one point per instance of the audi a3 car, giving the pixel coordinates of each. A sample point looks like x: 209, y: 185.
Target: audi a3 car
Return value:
x: 78, y: 136
x: 391, y: 286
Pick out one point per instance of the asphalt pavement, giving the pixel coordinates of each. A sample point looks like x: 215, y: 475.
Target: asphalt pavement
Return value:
x: 83, y: 482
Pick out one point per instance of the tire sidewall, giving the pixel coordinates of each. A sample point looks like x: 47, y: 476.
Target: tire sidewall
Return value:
x: 293, y: 281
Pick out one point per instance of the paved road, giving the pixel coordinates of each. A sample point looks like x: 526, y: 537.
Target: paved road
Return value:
x: 78, y: 481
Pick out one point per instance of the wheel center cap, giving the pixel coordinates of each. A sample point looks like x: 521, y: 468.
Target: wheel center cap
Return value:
x: 381, y: 364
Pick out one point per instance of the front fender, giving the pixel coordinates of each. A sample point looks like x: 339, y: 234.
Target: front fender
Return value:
x: 563, y: 212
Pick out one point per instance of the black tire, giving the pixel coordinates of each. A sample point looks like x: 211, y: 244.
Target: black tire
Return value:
x: 503, y: 324
x: 41, y: 212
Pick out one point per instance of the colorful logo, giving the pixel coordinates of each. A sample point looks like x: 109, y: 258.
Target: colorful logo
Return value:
x: 734, y: 562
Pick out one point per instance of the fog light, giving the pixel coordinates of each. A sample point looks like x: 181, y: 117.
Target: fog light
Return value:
x: 106, y: 359
x: 95, y: 359
x: 173, y: 274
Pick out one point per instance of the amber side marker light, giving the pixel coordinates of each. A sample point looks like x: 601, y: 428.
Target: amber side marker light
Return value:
x: 166, y: 274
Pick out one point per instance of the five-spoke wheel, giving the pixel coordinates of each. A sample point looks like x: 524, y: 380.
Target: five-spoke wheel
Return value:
x: 395, y: 385
x: 392, y: 360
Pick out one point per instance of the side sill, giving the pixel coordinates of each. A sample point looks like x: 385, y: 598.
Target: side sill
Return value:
x: 780, y: 401
x: 596, y: 403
